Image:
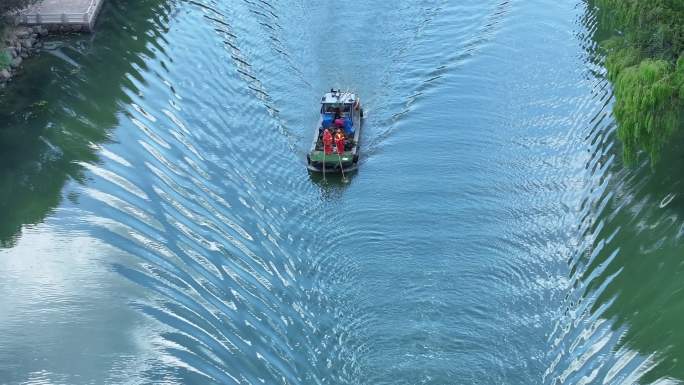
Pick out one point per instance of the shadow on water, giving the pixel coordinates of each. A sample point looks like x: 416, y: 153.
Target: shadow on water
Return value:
x: 621, y: 321
x: 332, y: 186
x: 631, y: 271
x: 42, y: 137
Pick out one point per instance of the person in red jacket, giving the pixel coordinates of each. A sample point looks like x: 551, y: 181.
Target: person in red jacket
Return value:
x: 327, y: 142
x: 339, y: 141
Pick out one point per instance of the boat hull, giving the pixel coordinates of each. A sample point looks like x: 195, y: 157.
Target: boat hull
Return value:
x: 335, y: 164
x: 332, y: 169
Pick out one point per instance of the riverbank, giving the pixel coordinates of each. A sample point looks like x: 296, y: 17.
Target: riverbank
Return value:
x: 37, y: 20
x: 17, y: 44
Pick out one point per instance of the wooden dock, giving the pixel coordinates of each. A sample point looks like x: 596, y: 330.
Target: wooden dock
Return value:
x: 70, y: 15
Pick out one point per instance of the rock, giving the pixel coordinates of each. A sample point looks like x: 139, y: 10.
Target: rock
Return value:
x: 22, y: 33
x: 27, y: 43
x: 43, y: 31
x: 16, y: 62
x: 24, y: 55
x: 4, y: 74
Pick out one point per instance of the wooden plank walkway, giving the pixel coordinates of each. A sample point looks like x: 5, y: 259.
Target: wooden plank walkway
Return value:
x: 62, y: 14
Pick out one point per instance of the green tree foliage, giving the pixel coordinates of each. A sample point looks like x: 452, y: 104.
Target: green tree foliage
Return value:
x: 643, y: 62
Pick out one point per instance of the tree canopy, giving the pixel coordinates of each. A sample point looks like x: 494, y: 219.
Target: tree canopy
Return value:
x: 644, y: 63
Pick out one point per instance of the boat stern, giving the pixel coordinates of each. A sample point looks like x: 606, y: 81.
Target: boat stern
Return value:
x: 318, y: 161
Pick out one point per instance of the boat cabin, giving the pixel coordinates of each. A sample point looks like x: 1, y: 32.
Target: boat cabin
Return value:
x: 336, y: 99
x: 336, y: 105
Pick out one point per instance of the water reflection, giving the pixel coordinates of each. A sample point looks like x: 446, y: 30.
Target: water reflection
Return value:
x: 332, y: 184
x: 630, y: 273
x: 439, y: 262
x: 621, y: 318
x: 51, y: 121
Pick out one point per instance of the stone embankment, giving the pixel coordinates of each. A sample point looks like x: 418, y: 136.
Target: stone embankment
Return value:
x: 37, y: 21
x: 18, y: 44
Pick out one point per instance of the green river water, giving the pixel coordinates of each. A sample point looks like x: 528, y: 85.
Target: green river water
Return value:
x: 158, y: 224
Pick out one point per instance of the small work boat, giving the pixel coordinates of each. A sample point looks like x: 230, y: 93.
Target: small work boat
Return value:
x: 341, y: 113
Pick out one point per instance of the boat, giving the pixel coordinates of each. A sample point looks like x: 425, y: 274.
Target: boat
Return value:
x: 339, y: 109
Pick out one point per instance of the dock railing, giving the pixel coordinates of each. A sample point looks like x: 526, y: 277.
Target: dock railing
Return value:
x: 37, y: 17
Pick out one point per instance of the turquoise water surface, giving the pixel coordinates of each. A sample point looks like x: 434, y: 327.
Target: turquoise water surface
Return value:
x: 158, y: 224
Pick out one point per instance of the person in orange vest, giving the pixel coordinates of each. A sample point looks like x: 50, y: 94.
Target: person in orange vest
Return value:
x: 327, y: 142
x: 339, y: 141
